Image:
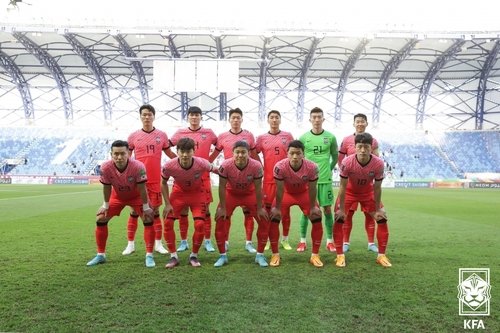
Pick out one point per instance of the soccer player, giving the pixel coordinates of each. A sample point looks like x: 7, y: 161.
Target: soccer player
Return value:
x: 240, y: 184
x: 273, y: 146
x: 123, y: 181
x: 321, y: 148
x: 204, y: 139
x: 296, y: 180
x: 187, y: 172
x: 348, y: 147
x: 148, y: 143
x: 361, y: 178
x: 225, y: 143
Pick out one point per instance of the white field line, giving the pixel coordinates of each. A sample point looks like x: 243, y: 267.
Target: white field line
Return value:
x: 48, y: 195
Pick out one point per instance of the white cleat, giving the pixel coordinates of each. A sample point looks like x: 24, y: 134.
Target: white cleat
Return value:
x: 129, y: 249
x: 159, y: 247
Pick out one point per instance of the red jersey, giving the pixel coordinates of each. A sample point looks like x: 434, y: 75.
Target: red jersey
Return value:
x: 148, y: 147
x: 274, y: 148
x: 187, y: 180
x: 240, y: 181
x: 226, y: 141
x: 361, y: 177
x: 204, y: 139
x: 296, y: 181
x: 348, y: 147
x: 124, y: 183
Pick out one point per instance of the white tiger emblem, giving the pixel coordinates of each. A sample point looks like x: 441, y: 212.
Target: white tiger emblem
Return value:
x: 474, y: 292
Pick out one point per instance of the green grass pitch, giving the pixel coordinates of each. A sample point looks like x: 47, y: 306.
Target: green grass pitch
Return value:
x: 47, y: 236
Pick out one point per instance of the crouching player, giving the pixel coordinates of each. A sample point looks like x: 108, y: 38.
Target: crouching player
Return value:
x: 361, y: 178
x: 296, y: 179
x: 188, y: 191
x: 240, y: 184
x: 124, y: 184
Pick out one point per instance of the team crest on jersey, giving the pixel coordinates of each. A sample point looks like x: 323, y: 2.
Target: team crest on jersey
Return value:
x: 249, y: 177
x: 326, y: 141
x: 203, y: 136
x: 197, y: 175
x: 283, y: 140
x: 371, y: 173
x: 158, y: 140
x: 130, y: 179
x: 304, y: 178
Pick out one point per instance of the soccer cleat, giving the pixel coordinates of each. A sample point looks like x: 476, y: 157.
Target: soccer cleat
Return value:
x: 301, y: 247
x: 345, y: 248
x: 372, y: 247
x: 316, y: 261
x: 172, y: 262
x: 275, y: 260
x: 383, y: 261
x: 150, y: 262
x: 129, y: 249
x: 98, y: 259
x: 249, y: 247
x: 183, y: 247
x: 160, y: 248
x: 221, y: 261
x: 268, y: 246
x: 330, y: 247
x: 286, y: 245
x: 208, y: 246
x: 261, y: 260
x: 194, y: 261
x: 340, y: 260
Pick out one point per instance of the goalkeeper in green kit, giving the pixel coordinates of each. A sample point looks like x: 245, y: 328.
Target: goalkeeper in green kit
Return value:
x: 321, y: 148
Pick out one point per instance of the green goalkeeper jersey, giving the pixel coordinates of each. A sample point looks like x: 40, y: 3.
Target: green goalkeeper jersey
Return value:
x: 321, y: 149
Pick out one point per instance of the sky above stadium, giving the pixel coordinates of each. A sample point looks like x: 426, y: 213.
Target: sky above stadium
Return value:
x: 360, y: 16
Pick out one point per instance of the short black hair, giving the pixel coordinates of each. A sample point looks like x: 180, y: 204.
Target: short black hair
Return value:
x: 296, y: 144
x: 237, y: 110
x: 185, y: 144
x: 316, y: 110
x: 241, y: 143
x: 194, y: 109
x: 119, y: 144
x: 363, y: 138
x: 149, y: 107
x: 275, y: 112
x: 360, y: 115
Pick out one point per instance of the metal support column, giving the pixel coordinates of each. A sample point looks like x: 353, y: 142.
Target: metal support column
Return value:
x: 299, y: 113
x: 483, y: 81
x: 431, y: 76
x: 97, y: 70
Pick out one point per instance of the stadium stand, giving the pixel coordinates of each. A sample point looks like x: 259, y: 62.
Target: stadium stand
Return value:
x: 410, y: 156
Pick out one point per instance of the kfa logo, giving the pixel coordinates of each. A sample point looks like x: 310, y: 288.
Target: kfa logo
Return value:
x: 474, y: 295
x: 474, y: 291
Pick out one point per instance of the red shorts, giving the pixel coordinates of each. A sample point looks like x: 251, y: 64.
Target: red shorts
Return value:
x: 155, y: 198
x: 181, y: 200
x: 207, y: 186
x: 268, y: 193
x: 116, y: 205
x: 295, y: 199
x: 351, y: 202
x: 243, y: 200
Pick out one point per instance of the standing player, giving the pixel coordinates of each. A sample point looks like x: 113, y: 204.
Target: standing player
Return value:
x: 273, y: 146
x: 204, y: 139
x: 321, y: 148
x: 187, y: 172
x: 296, y: 180
x: 361, y: 178
x: 225, y: 143
x: 148, y: 143
x: 240, y: 184
x: 348, y: 147
x: 123, y: 183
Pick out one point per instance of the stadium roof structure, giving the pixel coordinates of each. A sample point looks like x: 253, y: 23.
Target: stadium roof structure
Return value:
x: 100, y: 69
